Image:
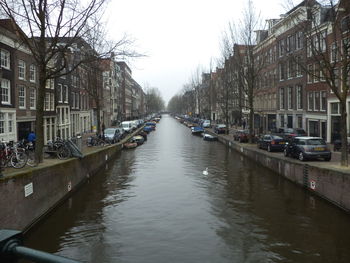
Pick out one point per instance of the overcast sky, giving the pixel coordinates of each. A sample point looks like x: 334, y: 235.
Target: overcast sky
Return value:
x: 178, y: 36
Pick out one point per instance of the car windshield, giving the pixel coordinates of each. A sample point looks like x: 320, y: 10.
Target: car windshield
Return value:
x: 276, y: 137
x: 315, y: 142
x: 109, y: 131
x: 300, y: 131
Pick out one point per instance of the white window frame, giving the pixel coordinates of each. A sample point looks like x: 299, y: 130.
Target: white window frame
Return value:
x: 5, y: 59
x: 282, y: 98
x: 5, y: 86
x: 309, y: 106
x: 21, y: 69
x: 32, y: 98
x: 315, y: 101
x: 310, y: 70
x: 299, y: 97
x: 321, y: 105
x: 21, y: 97
x: 32, y: 73
x: 290, y: 98
x: 66, y: 93
x: 52, y: 101
x: 47, y: 101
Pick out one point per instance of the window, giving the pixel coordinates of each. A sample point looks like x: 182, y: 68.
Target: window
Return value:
x: 334, y: 52
x: 73, y: 99
x: 2, y: 123
x: 32, y: 99
x: 47, y: 101
x: 76, y: 101
x: 5, y: 58
x: 311, y: 101
x: 323, y: 36
x: 282, y: 98
x: 310, y: 70
x: 291, y: 69
x: 323, y: 100
x: 281, y: 47
x: 345, y: 24
x: 52, y: 101
x: 281, y: 71
x: 336, y: 78
x: 21, y: 69
x: 10, y: 122
x: 60, y: 93
x: 316, y: 101
x: 299, y: 97
x: 335, y: 108
x: 298, y: 66
x: 50, y: 84
x: 5, y: 91
x: 299, y: 40
x: 65, y: 93
x: 290, y: 97
x: 32, y: 73
x: 21, y: 97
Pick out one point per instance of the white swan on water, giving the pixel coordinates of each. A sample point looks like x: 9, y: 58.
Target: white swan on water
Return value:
x: 205, y: 172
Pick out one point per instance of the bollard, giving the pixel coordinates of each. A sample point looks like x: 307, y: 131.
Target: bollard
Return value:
x: 11, y: 250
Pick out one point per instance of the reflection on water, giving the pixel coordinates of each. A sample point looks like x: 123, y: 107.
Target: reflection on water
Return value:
x: 155, y: 205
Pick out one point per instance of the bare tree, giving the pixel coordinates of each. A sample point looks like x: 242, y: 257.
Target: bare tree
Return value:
x: 51, y: 29
x: 327, y: 57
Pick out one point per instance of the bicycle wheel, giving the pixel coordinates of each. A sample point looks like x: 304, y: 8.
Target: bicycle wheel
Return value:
x: 18, y: 160
x: 63, y: 153
x: 31, y: 159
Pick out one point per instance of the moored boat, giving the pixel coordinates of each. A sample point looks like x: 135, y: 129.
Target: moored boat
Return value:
x: 209, y: 137
x: 130, y: 145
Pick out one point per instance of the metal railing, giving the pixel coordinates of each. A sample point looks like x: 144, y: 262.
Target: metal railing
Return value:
x: 11, y: 250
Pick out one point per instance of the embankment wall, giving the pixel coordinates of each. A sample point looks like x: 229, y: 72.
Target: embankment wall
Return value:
x: 28, y: 195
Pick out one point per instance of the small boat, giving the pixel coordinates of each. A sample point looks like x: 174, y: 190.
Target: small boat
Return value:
x: 147, y: 129
x: 138, y: 139
x: 130, y: 145
x: 143, y: 134
x: 209, y: 137
x: 197, y: 130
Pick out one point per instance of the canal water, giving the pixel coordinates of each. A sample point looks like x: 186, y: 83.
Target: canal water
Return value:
x: 154, y: 204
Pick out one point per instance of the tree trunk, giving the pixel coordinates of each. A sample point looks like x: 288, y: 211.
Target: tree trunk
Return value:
x: 39, y: 121
x: 344, y: 134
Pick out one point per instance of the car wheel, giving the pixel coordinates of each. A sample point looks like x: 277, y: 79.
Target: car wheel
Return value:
x: 301, y: 156
x: 269, y: 148
x: 285, y: 152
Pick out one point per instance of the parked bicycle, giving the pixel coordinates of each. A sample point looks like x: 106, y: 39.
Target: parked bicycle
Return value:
x: 12, y: 155
x: 29, y: 150
x: 59, y: 148
x: 97, y: 141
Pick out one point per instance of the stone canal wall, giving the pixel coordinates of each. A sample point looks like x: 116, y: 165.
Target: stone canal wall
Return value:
x: 29, y: 194
x: 330, y: 183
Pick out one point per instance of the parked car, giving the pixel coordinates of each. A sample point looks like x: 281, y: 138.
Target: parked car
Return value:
x: 112, y: 134
x: 337, y: 145
x: 305, y: 148
x: 122, y: 132
x: 289, y: 133
x: 206, y: 124
x: 127, y: 126
x: 220, y: 128
x: 271, y: 143
x: 241, y: 135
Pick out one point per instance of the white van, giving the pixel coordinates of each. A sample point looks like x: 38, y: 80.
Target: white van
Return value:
x: 127, y: 126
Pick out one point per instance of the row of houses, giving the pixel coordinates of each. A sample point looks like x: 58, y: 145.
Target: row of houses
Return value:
x: 292, y: 85
x: 69, y: 106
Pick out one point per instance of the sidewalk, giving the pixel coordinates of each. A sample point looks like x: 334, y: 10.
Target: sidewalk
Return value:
x: 51, y: 160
